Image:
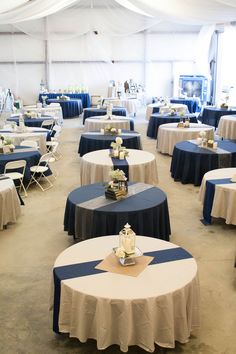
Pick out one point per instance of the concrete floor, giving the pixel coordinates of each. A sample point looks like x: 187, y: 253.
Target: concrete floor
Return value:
x: 29, y: 248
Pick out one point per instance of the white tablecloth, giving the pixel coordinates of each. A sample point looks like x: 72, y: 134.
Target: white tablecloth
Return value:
x: 95, y: 167
x: 40, y: 137
x: 51, y: 110
x: 149, y: 109
x: 169, y: 135
x: 179, y: 107
x: 130, y: 104
x: 9, y: 203
x: 98, y: 122
x: 160, y: 305
x: 227, y: 127
x: 224, y: 202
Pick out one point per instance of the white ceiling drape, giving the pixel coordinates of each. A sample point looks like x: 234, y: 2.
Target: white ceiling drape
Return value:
x: 35, y: 9
x: 197, y: 12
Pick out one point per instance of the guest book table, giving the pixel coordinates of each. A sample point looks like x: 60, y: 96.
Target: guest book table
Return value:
x: 31, y: 155
x: 159, y: 306
x: 157, y: 119
x: 9, y: 202
x: 190, y: 162
x: 70, y: 108
x: 212, y: 115
x: 91, y: 112
x: 98, y: 122
x: 169, y: 134
x: 32, y: 122
x: 40, y: 135
x: 139, y: 166
x: 84, y: 97
x: 218, y: 195
x: 227, y: 127
x: 93, y: 141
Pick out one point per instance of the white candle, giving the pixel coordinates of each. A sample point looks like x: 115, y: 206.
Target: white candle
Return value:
x: 122, y: 155
x: 116, y: 153
x: 102, y: 131
x: 119, y: 131
x: 215, y: 145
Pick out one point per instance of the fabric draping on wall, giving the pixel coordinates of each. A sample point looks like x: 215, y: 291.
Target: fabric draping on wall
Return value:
x: 202, y: 55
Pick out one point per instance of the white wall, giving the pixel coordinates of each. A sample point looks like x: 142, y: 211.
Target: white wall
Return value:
x: 92, y: 61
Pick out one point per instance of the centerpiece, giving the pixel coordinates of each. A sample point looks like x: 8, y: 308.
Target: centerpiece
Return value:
x: 44, y: 98
x: 127, y: 250
x: 118, y: 151
x: 109, y: 130
x: 117, y: 187
x: 6, y: 145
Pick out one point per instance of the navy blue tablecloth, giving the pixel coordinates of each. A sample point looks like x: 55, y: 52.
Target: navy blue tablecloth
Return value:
x: 30, y: 122
x: 157, y: 119
x: 147, y: 212
x: 31, y: 157
x: 211, y: 115
x: 91, y: 112
x: 84, y: 97
x: 192, y: 103
x: 92, y: 142
x: 71, y: 108
x: 190, y: 162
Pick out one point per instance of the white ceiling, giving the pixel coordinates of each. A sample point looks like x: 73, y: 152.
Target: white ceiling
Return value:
x: 10, y: 4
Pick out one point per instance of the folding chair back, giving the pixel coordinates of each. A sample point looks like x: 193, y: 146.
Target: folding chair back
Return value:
x: 48, y: 124
x: 16, y: 171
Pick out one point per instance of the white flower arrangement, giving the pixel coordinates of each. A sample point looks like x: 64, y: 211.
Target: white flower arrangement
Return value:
x: 202, y: 134
x: 120, y: 253
x: 117, y: 175
x: 110, y: 130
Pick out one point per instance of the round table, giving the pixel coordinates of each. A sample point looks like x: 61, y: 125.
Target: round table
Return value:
x: 212, y: 115
x: 93, y: 141
x: 89, y: 214
x: 91, y: 112
x: 227, y: 127
x: 98, y: 122
x: 130, y: 104
x: 139, y: 166
x: 9, y: 202
x: 169, y: 135
x: 191, y: 102
x: 218, y: 195
x: 159, y: 306
x: 83, y: 96
x: 53, y: 110
x: 70, y: 108
x: 32, y: 122
x: 190, y: 162
x: 41, y: 135
x: 157, y: 119
x: 31, y: 155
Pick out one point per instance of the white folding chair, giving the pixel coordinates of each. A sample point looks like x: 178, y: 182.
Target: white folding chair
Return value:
x: 31, y: 143
x: 48, y: 124
x: 15, y: 175
x: 38, y: 172
x: 52, y: 146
